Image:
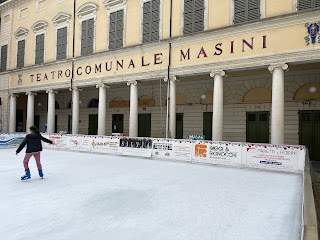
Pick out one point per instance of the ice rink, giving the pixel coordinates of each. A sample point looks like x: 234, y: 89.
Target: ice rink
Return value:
x: 100, y: 197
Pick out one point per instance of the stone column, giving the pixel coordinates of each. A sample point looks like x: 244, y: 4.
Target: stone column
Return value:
x: 51, y: 111
x: 102, y: 111
x: 172, y: 107
x: 13, y: 113
x: 277, y: 109
x: 134, y: 104
x: 217, y: 117
x: 30, y: 110
x: 75, y: 110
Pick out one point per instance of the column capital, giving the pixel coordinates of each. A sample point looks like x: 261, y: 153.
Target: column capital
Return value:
x: 221, y: 73
x: 51, y: 91
x: 14, y: 95
x: 282, y: 66
x: 102, y: 85
x: 75, y: 89
x: 134, y: 82
x: 171, y: 78
x: 31, y: 93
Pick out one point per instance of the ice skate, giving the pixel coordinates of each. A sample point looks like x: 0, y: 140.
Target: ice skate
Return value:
x: 41, y: 174
x: 26, y: 176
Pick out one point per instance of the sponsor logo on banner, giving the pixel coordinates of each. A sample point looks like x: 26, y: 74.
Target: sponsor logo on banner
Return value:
x: 200, y: 150
x: 80, y: 143
x: 172, y: 149
x: 141, y: 147
x: 279, y: 158
x: 105, y: 145
x: 60, y: 141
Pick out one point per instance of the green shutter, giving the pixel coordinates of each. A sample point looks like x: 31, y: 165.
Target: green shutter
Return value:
x: 62, y: 43
x: 193, y: 16
x: 4, y: 53
x: 90, y: 35
x: 151, y: 21
x: 317, y: 3
x: 246, y: 10
x: 39, y: 49
x: 20, y: 53
x: 87, y: 36
x: 116, y: 29
x: 84, y: 27
x: 305, y: 4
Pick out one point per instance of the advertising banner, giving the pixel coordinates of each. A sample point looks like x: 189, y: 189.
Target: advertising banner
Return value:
x: 172, y: 149
x: 11, y: 140
x: 61, y: 141
x: 222, y: 153
x: 139, y: 147
x: 276, y: 158
x: 105, y: 145
x: 80, y: 143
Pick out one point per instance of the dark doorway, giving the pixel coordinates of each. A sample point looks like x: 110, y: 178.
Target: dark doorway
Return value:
x: 309, y: 130
x: 69, y: 124
x: 56, y: 124
x: 207, y: 125
x: 117, y: 123
x: 144, y: 125
x: 257, y: 127
x: 37, y: 121
x: 179, y: 126
x: 93, y: 124
x: 19, y: 121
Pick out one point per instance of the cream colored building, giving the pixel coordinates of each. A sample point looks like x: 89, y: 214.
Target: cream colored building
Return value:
x: 237, y: 70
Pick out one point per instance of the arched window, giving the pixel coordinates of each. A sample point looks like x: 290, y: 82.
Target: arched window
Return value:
x: 57, y: 106
x: 94, y: 103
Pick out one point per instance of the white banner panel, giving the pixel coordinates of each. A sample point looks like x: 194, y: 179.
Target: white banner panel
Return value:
x: 139, y: 147
x: 61, y: 141
x: 105, y: 145
x: 11, y: 140
x: 222, y: 153
x: 79, y: 143
x: 172, y: 149
x: 276, y: 158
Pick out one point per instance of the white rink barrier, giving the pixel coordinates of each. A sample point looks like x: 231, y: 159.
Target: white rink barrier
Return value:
x: 284, y: 158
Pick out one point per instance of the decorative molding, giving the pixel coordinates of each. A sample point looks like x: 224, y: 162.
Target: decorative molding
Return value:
x: 31, y: 93
x: 88, y: 8
x: 21, y: 32
x: 113, y: 3
x: 61, y: 18
x: 51, y: 91
x: 171, y: 78
x: 75, y: 89
x: 134, y: 82
x: 39, y: 26
x: 221, y: 73
x: 102, y: 85
x: 283, y: 66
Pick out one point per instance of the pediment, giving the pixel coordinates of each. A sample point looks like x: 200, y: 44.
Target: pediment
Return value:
x: 21, y: 32
x: 40, y: 25
x: 112, y: 3
x: 61, y: 17
x: 87, y: 8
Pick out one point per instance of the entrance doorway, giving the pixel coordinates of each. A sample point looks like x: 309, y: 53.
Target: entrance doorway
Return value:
x: 93, y: 124
x: 117, y: 123
x: 207, y: 125
x: 69, y: 124
x: 257, y: 127
x: 309, y: 130
x: 144, y: 125
x: 19, y: 123
x: 56, y: 124
x: 179, y: 126
x: 37, y: 121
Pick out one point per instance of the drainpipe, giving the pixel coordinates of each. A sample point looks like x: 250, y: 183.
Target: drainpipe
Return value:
x: 73, y: 43
x: 168, y: 135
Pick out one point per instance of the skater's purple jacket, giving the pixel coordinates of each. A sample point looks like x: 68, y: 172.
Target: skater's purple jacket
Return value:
x: 33, y: 142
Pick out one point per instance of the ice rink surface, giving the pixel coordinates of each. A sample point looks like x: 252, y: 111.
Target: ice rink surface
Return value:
x: 101, y: 197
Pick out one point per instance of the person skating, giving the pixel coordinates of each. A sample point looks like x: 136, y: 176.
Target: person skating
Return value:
x: 34, y: 147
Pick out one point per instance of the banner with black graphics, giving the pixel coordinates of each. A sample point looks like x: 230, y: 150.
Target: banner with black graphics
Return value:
x: 172, y: 149
x: 11, y: 140
x: 105, y: 145
x: 139, y: 147
x: 222, y: 153
x: 274, y: 157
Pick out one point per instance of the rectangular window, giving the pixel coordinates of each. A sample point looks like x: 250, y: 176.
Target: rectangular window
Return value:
x: 39, y: 49
x: 151, y: 20
x: 307, y: 4
x: 193, y: 16
x: 62, y: 43
x: 4, y: 51
x: 246, y: 10
x: 116, y: 29
x: 20, y: 53
x: 87, y: 35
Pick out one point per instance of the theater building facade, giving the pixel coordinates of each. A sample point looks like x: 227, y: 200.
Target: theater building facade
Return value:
x: 233, y: 70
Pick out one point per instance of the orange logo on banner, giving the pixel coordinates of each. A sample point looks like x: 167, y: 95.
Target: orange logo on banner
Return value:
x: 201, y: 150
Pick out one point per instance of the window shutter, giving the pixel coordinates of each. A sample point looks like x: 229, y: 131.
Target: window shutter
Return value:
x: 188, y: 16
x: 193, y: 16
x: 240, y: 11
x: 305, y: 4
x: 246, y: 10
x: 151, y: 20
x: 90, y: 36
x: 253, y: 9
x: 62, y: 43
x: 116, y: 29
x: 4, y: 52
x: 317, y: 3
x: 84, y: 37
x: 146, y: 22
x: 198, y: 16
x: 39, y: 49
x: 20, y: 54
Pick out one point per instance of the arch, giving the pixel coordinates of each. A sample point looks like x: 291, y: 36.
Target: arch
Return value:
x: 209, y: 98
x: 303, y: 92
x: 94, y: 103
x: 40, y: 25
x: 181, y: 99
x: 87, y: 8
x: 258, y: 95
x: 56, y: 105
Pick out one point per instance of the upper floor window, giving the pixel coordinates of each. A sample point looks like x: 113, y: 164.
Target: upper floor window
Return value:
x: 307, y: 4
x: 87, y: 14
x: 4, y: 55
x: 39, y: 29
x: 116, y: 29
x: 21, y: 35
x: 193, y: 16
x: 61, y: 22
x: 246, y: 10
x: 151, y: 21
